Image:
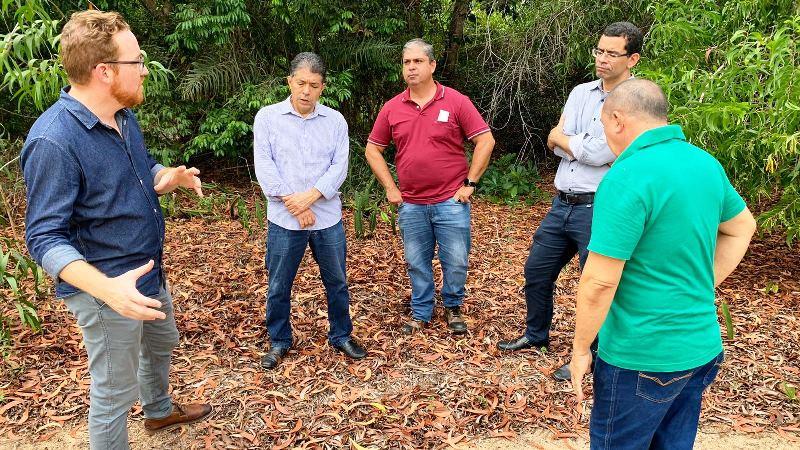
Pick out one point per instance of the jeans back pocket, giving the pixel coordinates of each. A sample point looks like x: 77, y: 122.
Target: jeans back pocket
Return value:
x: 661, y: 387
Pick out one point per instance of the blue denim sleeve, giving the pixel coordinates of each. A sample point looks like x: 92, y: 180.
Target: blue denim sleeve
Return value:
x: 52, y: 178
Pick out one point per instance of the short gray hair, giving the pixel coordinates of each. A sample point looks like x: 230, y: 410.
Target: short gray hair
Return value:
x: 419, y: 43
x: 310, y: 61
x: 638, y: 96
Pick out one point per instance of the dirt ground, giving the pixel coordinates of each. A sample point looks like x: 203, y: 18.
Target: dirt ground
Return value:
x: 425, y: 391
x: 537, y: 440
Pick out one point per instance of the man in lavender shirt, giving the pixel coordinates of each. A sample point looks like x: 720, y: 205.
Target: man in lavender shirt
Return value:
x: 300, y: 151
x: 580, y: 142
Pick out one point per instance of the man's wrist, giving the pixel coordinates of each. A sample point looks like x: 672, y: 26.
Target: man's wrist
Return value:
x: 580, y: 349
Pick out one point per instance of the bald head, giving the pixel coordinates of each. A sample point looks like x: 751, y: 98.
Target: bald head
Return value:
x: 633, y: 107
x: 639, y: 97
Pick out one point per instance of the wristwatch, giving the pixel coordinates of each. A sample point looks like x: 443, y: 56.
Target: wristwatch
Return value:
x: 470, y: 183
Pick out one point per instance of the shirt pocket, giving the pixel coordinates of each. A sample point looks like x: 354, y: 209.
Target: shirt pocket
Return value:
x: 445, y: 131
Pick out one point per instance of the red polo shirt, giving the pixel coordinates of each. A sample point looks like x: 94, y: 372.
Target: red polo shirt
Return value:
x: 431, y: 163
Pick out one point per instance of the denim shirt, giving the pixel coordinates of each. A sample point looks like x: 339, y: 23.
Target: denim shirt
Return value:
x: 90, y: 195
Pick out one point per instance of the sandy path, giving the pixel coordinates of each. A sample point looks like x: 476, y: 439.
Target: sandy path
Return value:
x: 537, y: 440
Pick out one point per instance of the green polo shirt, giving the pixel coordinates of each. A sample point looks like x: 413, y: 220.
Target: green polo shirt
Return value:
x: 659, y: 208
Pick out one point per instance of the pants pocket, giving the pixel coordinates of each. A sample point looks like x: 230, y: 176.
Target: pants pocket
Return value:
x: 713, y: 371
x: 661, y: 387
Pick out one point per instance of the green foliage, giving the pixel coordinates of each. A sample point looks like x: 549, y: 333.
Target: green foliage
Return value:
x: 15, y: 270
x: 789, y: 390
x: 18, y: 272
x: 29, y: 55
x: 726, y: 314
x: 365, y: 207
x: 511, y: 181
x: 207, y: 22
x: 731, y: 70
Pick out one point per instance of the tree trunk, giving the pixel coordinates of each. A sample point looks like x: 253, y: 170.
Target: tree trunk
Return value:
x: 455, y: 37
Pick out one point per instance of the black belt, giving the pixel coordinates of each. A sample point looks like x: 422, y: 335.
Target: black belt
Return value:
x: 576, y: 199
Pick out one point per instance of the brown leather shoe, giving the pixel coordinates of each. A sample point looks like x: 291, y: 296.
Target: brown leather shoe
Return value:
x: 455, y: 321
x: 181, y: 415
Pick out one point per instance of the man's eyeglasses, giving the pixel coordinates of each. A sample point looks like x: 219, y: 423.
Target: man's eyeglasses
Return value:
x: 139, y: 62
x: 598, y: 52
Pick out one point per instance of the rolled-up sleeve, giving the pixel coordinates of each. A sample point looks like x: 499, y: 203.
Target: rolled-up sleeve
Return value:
x: 52, y: 178
x: 591, y: 150
x: 330, y: 182
x: 266, y: 170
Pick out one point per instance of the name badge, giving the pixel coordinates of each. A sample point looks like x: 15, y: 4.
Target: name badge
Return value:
x: 443, y: 116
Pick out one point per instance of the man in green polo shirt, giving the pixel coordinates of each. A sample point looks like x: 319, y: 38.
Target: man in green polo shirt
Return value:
x: 667, y: 228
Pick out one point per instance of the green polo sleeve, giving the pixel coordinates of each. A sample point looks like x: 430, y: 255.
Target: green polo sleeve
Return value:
x: 618, y: 220
x: 732, y: 203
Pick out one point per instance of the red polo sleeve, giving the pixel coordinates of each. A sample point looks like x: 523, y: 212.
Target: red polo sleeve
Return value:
x: 470, y: 119
x: 381, y: 134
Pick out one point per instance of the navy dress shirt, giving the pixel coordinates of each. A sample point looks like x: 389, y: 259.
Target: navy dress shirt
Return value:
x: 90, y: 195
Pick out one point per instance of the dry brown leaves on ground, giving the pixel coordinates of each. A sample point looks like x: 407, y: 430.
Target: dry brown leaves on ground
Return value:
x: 429, y: 390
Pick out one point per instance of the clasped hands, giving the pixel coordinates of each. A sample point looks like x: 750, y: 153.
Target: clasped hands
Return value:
x: 299, y: 203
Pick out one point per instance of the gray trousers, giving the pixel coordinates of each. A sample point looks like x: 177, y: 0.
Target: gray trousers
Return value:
x: 128, y: 360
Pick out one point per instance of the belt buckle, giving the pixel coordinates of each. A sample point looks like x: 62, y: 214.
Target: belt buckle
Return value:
x: 572, y: 198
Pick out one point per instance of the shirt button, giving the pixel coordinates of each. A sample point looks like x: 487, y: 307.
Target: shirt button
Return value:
x: 155, y: 210
x: 572, y: 170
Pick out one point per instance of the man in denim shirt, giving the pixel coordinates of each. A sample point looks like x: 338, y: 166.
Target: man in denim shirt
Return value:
x: 93, y: 222
x: 300, y: 151
x: 585, y: 157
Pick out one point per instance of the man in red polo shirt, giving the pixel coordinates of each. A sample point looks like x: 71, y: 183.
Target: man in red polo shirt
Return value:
x: 429, y: 123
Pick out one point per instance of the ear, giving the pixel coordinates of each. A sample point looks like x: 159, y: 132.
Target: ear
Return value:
x: 617, y: 121
x: 433, y: 66
x: 103, y: 73
x: 633, y: 60
x: 289, y: 80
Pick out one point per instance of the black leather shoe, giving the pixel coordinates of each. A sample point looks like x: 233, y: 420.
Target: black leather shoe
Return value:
x: 352, y: 349
x: 455, y: 321
x: 563, y: 373
x: 521, y: 343
x: 273, y: 357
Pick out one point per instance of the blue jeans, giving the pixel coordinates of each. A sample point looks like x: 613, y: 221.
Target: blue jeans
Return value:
x: 647, y: 410
x: 446, y: 224
x: 564, y: 231
x: 128, y: 360
x: 285, y: 250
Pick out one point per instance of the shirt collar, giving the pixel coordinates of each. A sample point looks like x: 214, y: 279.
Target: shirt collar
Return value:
x: 599, y: 85
x: 438, y: 96
x: 286, y: 107
x: 81, y: 112
x: 652, y: 137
